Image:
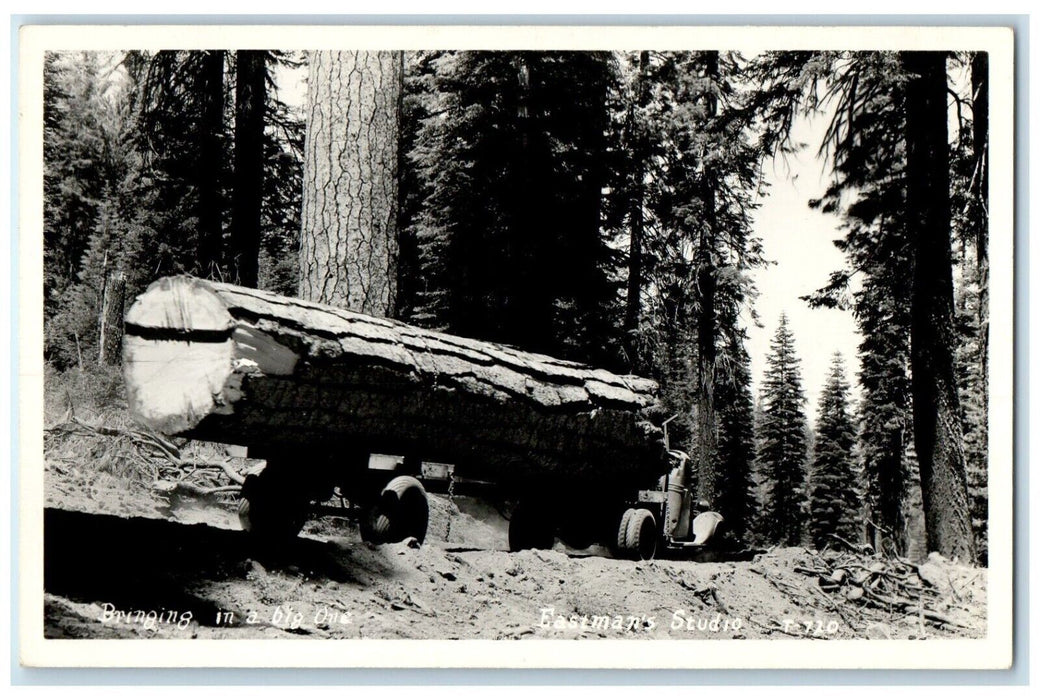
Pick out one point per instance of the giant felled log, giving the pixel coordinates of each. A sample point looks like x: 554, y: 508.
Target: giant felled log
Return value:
x: 229, y: 364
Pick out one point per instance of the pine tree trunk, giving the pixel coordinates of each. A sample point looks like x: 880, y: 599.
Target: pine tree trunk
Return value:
x: 938, y: 433
x: 110, y: 340
x: 637, y: 197
x: 210, y: 163
x: 707, y: 425
x: 349, y: 237
x: 250, y: 101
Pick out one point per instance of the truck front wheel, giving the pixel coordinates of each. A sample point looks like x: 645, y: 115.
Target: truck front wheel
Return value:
x: 637, y: 535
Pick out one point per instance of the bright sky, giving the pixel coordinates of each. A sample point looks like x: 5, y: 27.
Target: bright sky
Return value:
x: 800, y: 241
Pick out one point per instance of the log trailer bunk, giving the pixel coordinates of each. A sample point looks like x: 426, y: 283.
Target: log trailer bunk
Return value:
x: 327, y: 397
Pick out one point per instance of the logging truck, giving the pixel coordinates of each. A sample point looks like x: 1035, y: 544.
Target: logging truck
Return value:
x: 377, y: 412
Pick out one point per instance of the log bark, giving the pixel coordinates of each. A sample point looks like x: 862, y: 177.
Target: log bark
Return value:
x: 224, y: 363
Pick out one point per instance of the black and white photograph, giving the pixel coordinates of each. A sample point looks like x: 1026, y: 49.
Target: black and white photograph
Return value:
x: 562, y: 336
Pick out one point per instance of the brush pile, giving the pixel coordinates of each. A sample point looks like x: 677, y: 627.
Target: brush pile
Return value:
x: 863, y: 586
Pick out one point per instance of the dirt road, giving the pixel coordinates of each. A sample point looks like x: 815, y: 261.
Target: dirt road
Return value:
x: 184, y: 570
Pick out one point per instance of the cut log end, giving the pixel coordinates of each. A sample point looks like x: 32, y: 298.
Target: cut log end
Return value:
x: 177, y: 354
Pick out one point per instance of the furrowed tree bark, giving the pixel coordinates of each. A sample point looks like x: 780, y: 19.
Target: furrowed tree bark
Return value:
x: 110, y: 338
x: 231, y: 364
x: 349, y: 238
x: 250, y: 100
x: 938, y: 433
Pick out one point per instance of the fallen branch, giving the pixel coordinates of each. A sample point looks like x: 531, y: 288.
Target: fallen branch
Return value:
x: 912, y: 608
x: 150, y: 445
x: 860, y: 548
x: 187, y: 488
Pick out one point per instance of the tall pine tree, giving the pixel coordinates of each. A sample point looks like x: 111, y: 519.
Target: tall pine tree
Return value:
x: 687, y: 184
x: 782, y: 455
x: 835, y: 501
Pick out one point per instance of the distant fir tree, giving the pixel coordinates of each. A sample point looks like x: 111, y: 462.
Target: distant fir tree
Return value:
x: 737, y: 498
x: 80, y: 124
x: 89, y: 173
x: 835, y: 503
x: 510, y: 162
x: 783, y: 447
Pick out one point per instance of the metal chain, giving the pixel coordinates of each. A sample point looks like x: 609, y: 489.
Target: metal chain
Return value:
x: 451, y: 500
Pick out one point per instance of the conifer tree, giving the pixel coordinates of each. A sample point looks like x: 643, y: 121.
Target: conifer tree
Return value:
x: 835, y: 501
x: 783, y: 446
x: 887, y: 142
x: 510, y: 162
x: 737, y: 489
x: 87, y: 171
x: 686, y: 195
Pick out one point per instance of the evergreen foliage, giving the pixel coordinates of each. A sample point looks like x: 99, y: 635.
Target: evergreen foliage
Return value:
x: 595, y: 206
x: 509, y: 163
x: 736, y: 456
x: 867, y: 146
x: 687, y: 176
x: 782, y: 451
x: 835, y: 505
x: 124, y: 174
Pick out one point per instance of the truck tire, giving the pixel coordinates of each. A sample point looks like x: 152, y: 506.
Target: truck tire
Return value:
x: 402, y: 511
x: 269, y: 511
x: 529, y: 528
x: 618, y: 546
x: 641, y: 535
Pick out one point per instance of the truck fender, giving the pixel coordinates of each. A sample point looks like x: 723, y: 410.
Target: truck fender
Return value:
x: 704, y: 525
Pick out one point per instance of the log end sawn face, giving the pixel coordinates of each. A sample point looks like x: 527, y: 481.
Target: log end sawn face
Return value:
x: 177, y: 354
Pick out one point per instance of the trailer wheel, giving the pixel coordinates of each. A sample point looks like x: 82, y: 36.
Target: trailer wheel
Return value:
x: 530, y: 528
x: 403, y: 511
x: 641, y: 535
x: 269, y: 511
